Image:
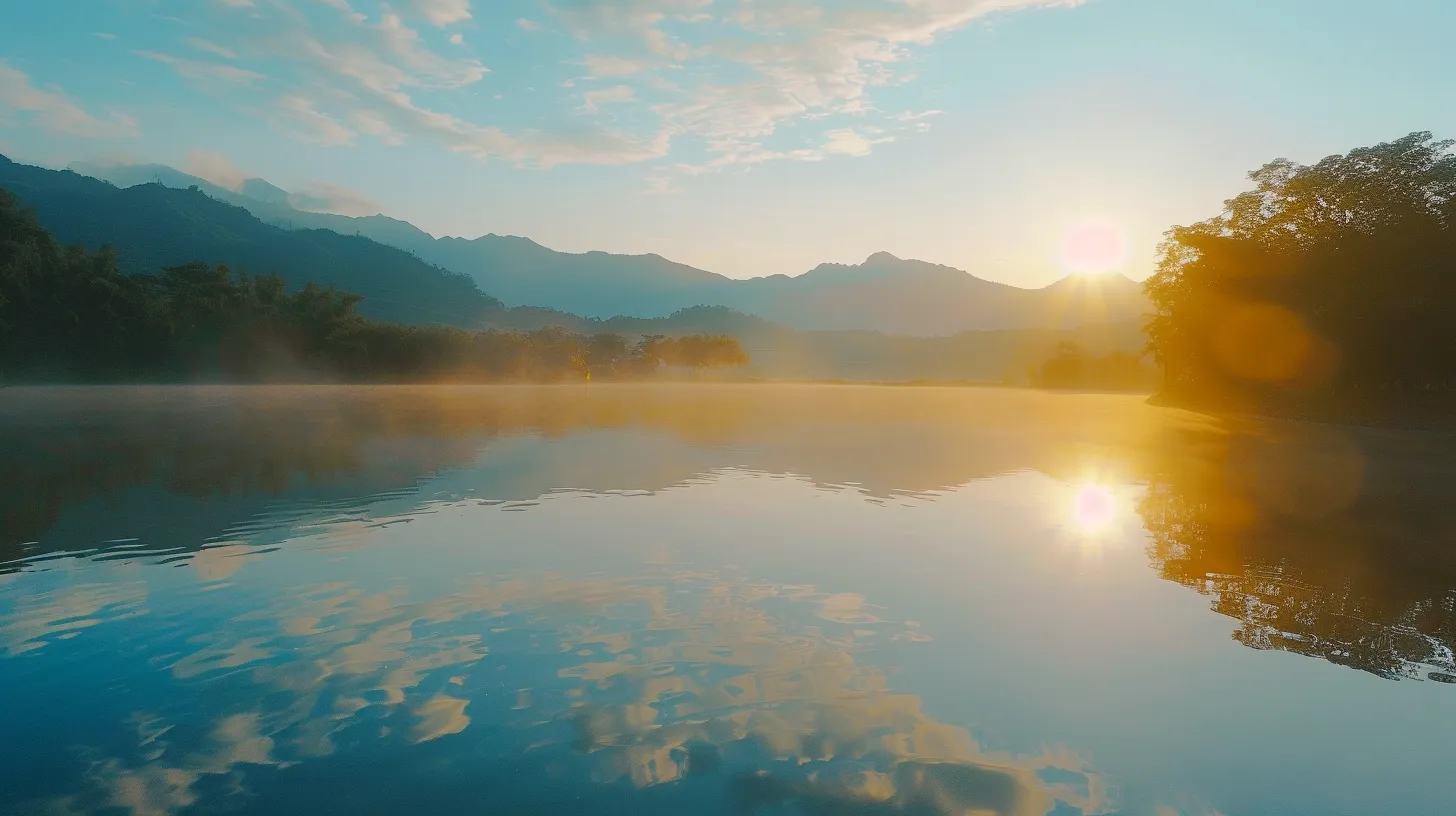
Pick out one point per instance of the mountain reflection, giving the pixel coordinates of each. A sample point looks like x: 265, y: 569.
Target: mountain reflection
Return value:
x: 176, y: 466
x: 749, y: 694
x: 1337, y: 544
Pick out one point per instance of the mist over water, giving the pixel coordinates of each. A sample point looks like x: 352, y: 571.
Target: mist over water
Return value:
x: 716, y: 599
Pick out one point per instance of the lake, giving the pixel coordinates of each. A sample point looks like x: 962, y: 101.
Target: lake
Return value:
x: 709, y: 599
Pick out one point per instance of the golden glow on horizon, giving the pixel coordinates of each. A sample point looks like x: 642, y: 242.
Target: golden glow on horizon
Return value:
x: 1092, y: 247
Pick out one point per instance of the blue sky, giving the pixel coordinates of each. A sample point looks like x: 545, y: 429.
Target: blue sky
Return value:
x: 748, y: 137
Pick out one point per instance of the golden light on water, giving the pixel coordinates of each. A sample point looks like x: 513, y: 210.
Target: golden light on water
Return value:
x: 1093, y: 246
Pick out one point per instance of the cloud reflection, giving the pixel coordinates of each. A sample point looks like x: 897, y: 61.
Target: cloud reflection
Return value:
x: 761, y: 687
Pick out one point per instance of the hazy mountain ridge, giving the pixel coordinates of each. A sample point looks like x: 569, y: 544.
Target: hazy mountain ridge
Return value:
x: 885, y: 293
x: 151, y: 226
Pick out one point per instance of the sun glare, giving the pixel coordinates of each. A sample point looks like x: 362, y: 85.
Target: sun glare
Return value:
x: 1091, y: 247
x: 1094, y: 508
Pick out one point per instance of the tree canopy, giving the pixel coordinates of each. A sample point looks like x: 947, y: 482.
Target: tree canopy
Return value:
x: 1333, y: 279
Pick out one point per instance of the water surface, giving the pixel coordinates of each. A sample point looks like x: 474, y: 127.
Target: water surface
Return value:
x: 716, y: 599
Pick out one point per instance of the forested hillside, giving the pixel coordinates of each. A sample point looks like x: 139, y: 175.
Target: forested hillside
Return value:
x: 152, y: 227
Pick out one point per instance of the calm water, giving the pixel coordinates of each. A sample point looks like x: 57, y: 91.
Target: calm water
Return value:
x: 700, y: 600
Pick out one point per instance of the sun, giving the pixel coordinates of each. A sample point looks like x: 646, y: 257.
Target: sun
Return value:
x: 1092, y: 247
x: 1094, y: 508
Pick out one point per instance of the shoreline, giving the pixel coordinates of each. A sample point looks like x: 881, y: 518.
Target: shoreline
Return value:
x: 1436, y: 415
x: 991, y: 384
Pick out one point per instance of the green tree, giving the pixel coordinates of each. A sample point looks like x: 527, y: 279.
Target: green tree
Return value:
x: 1337, y: 278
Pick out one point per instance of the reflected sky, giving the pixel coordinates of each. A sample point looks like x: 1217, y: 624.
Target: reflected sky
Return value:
x: 736, y: 599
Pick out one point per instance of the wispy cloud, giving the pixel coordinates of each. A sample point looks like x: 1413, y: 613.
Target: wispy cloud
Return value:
x: 919, y: 121
x: 216, y: 168
x: 373, y: 77
x: 727, y: 82
x: 616, y: 93
x: 371, y: 124
x: 321, y: 196
x: 636, y: 19
x: 105, y: 35
x: 600, y: 65
x: 211, y: 47
x: 439, y: 12
x: 311, y: 196
x: 300, y: 115
x: 849, y: 142
x: 785, y: 61
x: 54, y: 111
x: 203, y: 73
x: 912, y: 116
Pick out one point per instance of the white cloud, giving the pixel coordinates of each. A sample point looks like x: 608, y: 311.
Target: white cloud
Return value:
x: 54, y: 111
x: 609, y: 66
x: 440, y: 13
x: 322, y: 196
x: 309, y: 124
x: 383, y: 55
x: 371, y: 73
x: 216, y: 168
x: 370, y: 123
x: 729, y: 77
x: 807, y: 61
x: 105, y: 35
x: 211, y: 47
x: 616, y: 93
x: 637, y: 19
x: 911, y: 116
x: 237, y: 3
x: 920, y: 121
x: 203, y: 72
x: 848, y: 142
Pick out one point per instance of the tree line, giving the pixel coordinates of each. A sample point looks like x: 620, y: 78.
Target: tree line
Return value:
x: 1072, y: 366
x: 1333, y: 283
x: 70, y: 314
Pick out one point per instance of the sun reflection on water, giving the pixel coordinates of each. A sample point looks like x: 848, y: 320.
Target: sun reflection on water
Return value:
x: 1094, y: 508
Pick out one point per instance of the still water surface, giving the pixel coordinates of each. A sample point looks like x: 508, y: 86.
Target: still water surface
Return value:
x: 716, y: 599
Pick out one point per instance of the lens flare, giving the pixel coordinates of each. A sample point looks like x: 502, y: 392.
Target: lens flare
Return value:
x: 1091, y: 247
x: 1094, y: 508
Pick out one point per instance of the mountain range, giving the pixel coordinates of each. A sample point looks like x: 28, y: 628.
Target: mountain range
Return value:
x: 885, y: 293
x: 824, y: 324
x: 150, y: 227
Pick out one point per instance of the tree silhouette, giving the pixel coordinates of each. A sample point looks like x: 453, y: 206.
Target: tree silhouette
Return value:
x: 1071, y: 366
x: 1336, y: 280
x: 1317, y: 545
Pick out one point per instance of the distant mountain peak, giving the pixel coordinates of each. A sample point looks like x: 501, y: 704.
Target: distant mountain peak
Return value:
x: 264, y: 191
x: 1114, y: 281
x: 882, y: 257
